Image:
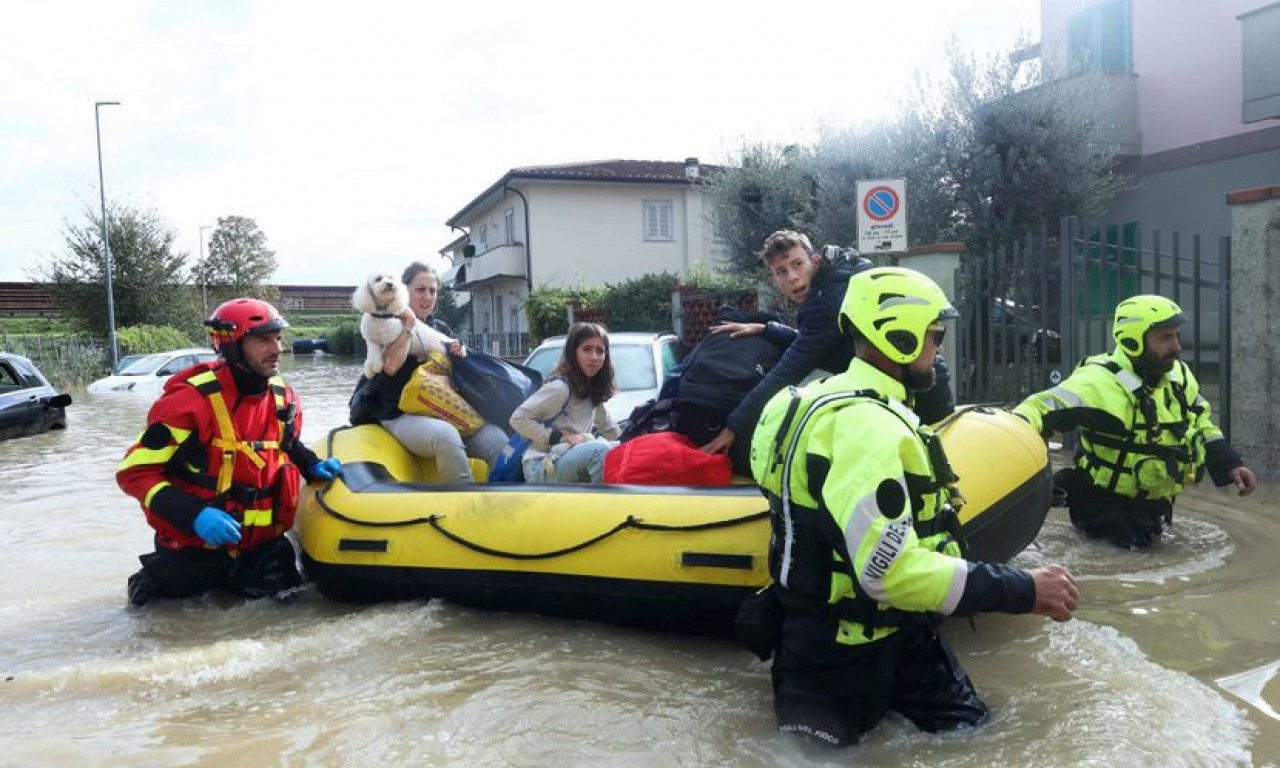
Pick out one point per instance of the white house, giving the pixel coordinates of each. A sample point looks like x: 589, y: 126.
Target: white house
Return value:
x: 579, y: 224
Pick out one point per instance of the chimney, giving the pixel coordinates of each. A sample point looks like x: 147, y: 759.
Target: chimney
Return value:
x: 691, y: 168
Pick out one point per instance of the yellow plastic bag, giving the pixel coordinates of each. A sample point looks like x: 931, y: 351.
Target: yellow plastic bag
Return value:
x: 429, y: 393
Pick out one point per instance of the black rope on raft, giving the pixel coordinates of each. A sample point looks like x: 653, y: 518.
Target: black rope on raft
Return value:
x: 631, y: 522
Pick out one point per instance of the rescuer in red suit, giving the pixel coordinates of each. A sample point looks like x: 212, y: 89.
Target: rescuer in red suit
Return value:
x: 219, y: 467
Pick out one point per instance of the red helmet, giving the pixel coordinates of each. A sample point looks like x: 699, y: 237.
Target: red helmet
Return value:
x: 237, y: 318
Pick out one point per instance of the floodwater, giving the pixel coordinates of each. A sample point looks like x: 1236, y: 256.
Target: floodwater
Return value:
x: 1172, y: 660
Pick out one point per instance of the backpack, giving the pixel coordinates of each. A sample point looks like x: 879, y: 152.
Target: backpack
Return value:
x: 649, y: 417
x: 721, y: 370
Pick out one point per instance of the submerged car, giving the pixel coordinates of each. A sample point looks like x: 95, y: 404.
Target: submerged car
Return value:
x: 641, y: 362
x: 29, y: 404
x: 125, y: 362
x: 149, y: 374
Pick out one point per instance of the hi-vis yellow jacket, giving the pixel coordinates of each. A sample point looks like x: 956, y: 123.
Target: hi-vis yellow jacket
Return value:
x: 1135, y: 441
x: 862, y: 522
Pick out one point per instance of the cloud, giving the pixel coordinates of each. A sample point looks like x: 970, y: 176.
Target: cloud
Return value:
x: 352, y: 131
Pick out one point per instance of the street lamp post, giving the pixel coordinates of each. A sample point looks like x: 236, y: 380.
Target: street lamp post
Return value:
x: 106, y: 244
x: 204, y: 277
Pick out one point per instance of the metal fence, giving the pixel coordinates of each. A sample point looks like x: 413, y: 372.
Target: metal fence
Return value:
x: 64, y: 360
x: 1031, y: 311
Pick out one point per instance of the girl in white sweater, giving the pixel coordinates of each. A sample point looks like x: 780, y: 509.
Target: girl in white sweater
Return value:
x: 565, y: 421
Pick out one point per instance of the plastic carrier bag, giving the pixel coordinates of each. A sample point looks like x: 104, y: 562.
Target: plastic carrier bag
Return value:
x: 430, y: 393
x: 508, y: 467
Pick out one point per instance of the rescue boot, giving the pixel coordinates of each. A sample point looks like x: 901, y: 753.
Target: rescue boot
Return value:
x: 140, y: 587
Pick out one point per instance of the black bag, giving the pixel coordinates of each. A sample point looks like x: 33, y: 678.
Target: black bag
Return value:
x: 759, y: 622
x: 649, y: 417
x: 493, y: 386
x: 363, y: 399
x: 721, y: 370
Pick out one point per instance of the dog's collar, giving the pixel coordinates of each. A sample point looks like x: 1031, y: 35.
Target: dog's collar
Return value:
x: 382, y: 315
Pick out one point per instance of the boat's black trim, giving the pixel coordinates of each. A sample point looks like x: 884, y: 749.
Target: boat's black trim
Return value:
x: 699, y: 609
x: 998, y: 534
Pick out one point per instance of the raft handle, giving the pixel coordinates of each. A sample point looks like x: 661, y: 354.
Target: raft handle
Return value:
x: 715, y: 560
x: 362, y: 545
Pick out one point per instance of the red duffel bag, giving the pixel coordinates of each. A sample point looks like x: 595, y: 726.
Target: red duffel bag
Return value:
x: 665, y: 458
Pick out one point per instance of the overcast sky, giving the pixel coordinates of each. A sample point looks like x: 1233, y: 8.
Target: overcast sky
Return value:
x: 352, y: 131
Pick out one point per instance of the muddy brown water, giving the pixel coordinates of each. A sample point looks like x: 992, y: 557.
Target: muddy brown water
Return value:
x: 1172, y: 660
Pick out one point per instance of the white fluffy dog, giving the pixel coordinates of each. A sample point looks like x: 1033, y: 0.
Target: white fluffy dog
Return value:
x: 382, y: 298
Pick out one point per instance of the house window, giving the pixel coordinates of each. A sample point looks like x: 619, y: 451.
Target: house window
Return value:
x: 1100, y: 39
x: 482, y: 243
x: 657, y: 220
x: 1259, y: 30
x: 509, y: 224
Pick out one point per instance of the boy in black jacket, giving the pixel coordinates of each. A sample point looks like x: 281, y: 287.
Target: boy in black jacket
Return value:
x: 818, y: 285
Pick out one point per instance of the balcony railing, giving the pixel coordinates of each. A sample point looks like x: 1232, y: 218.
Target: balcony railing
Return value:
x: 510, y: 345
x: 499, y: 261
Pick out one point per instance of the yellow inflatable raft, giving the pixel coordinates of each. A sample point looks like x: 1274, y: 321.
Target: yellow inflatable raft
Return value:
x: 669, y: 557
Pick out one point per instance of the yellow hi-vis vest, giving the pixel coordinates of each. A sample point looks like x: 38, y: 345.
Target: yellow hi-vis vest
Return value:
x: 863, y: 525
x: 1135, y: 441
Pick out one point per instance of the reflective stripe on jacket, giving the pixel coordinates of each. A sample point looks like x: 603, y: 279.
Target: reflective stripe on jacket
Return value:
x: 862, y: 519
x: 1135, y: 441
x: 218, y: 447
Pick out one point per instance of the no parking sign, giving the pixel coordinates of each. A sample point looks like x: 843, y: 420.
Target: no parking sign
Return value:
x: 882, y: 216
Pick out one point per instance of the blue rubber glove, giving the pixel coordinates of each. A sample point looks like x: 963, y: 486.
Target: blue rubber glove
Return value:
x: 327, y: 469
x: 216, y: 527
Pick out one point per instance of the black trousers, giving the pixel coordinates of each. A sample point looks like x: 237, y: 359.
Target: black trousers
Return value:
x: 190, y: 571
x: 833, y: 693
x: 1100, y: 514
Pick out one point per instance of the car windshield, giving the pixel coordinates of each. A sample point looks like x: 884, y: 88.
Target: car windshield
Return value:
x: 633, y: 367
x: 632, y: 364
x: 125, y: 362
x: 544, y: 360
x: 145, y: 366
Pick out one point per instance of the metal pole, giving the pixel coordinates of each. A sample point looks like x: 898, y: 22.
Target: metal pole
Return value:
x: 204, y: 277
x: 106, y: 244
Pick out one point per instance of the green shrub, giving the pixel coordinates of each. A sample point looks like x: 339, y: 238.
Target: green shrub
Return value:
x: 141, y: 339
x: 640, y: 304
x: 548, y: 309
x: 345, y: 339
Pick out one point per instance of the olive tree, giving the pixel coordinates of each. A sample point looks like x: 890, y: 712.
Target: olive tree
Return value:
x: 989, y: 154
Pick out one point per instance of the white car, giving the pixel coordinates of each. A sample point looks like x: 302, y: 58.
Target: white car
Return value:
x: 148, y: 374
x: 640, y: 362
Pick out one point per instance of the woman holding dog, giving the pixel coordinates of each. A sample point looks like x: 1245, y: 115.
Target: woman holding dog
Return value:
x: 565, y: 421
x: 422, y: 435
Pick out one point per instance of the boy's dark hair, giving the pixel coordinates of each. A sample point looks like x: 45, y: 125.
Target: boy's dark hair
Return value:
x: 782, y: 241
x: 599, y: 388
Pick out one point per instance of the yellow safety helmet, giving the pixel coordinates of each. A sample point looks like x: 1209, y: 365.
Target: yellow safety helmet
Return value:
x: 893, y: 307
x: 1137, y: 315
